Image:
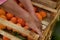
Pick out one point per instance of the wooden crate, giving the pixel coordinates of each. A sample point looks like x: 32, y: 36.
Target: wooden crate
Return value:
x: 35, y: 36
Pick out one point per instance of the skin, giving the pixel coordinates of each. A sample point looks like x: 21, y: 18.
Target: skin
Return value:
x: 28, y: 5
x: 30, y: 17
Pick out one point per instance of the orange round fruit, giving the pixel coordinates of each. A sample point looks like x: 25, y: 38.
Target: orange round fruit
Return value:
x: 5, y: 38
x: 2, y: 26
x: 2, y: 12
x: 21, y: 21
x: 39, y: 16
x: 43, y: 13
x: 3, y: 16
x: 13, y: 19
x: 9, y: 15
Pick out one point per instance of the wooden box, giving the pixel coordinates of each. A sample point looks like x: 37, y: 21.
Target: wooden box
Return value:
x: 46, y: 33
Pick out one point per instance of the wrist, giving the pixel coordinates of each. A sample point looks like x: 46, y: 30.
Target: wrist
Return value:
x: 2, y: 1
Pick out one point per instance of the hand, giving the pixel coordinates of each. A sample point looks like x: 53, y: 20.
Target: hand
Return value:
x: 12, y: 7
x: 28, y: 5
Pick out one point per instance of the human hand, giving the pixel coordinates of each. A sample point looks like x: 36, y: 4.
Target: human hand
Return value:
x: 12, y: 7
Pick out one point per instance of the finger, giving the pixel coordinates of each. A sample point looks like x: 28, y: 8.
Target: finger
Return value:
x: 30, y: 8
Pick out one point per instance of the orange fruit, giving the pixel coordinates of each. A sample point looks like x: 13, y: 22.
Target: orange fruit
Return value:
x: 43, y: 13
x: 26, y: 27
x: 21, y: 21
x: 13, y: 19
x: 3, y: 16
x: 39, y: 16
x: 29, y: 38
x: 2, y: 12
x: 9, y: 15
x: 5, y: 38
x: 2, y: 26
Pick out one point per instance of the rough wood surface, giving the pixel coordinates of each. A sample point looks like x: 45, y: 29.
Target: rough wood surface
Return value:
x: 44, y: 7
x: 48, y: 37
x: 19, y: 29
x: 49, y: 26
x: 48, y: 3
x: 8, y: 35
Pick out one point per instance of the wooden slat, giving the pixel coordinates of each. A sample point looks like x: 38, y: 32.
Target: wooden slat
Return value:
x: 19, y: 29
x: 50, y: 31
x: 49, y: 26
x: 44, y: 7
x: 48, y: 3
x: 52, y: 26
x: 8, y: 35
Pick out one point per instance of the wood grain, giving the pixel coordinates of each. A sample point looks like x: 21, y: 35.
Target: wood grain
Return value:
x: 19, y: 29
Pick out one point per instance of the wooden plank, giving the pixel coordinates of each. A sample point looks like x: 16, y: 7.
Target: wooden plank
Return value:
x: 44, y: 7
x: 58, y: 5
x: 19, y: 29
x: 50, y: 31
x: 48, y: 3
x: 8, y: 35
x: 49, y: 26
